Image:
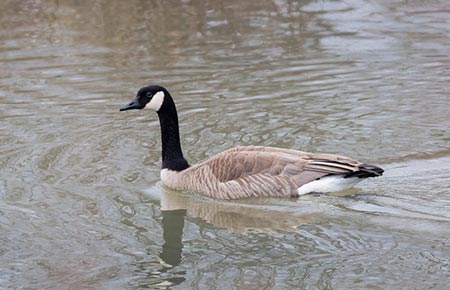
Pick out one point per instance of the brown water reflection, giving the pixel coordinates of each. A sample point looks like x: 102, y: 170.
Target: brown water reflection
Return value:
x: 79, y: 180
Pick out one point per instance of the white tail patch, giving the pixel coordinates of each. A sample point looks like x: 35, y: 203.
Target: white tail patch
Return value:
x: 330, y: 183
x: 157, y: 101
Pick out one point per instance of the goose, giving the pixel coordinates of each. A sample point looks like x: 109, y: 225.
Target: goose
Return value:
x: 246, y: 171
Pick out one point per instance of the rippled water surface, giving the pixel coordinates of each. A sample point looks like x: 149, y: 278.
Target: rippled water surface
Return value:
x: 81, y: 204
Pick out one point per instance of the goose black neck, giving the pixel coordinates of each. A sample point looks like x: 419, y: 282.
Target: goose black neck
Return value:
x: 172, y: 156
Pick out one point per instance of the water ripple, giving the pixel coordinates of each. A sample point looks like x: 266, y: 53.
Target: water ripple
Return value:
x: 366, y: 81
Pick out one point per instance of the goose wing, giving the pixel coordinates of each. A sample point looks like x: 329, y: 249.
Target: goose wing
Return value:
x: 256, y: 171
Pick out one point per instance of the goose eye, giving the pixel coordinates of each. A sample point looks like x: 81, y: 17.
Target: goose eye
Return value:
x: 149, y: 95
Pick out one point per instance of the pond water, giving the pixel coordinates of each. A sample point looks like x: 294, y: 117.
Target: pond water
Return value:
x: 81, y: 204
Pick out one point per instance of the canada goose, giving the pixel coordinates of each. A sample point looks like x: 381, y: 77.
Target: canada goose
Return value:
x: 248, y: 171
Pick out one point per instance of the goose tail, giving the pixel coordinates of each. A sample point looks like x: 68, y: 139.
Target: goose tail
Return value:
x: 365, y: 171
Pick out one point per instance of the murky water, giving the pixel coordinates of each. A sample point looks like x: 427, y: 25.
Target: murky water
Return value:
x: 81, y: 205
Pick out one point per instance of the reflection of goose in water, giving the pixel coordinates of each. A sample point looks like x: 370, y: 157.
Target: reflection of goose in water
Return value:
x: 170, y: 257
x: 240, y: 216
x: 244, y: 215
x: 173, y: 224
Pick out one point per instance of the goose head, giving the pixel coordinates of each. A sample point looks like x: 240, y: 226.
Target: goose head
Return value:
x: 152, y: 97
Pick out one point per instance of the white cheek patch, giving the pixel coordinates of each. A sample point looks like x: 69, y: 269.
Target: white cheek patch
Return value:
x: 157, y: 101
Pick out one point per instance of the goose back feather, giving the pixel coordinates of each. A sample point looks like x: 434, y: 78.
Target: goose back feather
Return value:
x: 258, y: 171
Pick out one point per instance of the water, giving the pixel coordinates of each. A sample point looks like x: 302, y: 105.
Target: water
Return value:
x: 81, y: 204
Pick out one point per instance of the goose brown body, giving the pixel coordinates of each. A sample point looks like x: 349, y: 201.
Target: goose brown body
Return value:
x: 258, y: 171
x: 248, y: 171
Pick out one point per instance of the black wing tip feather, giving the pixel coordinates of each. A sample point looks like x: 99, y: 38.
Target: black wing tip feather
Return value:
x: 366, y: 170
